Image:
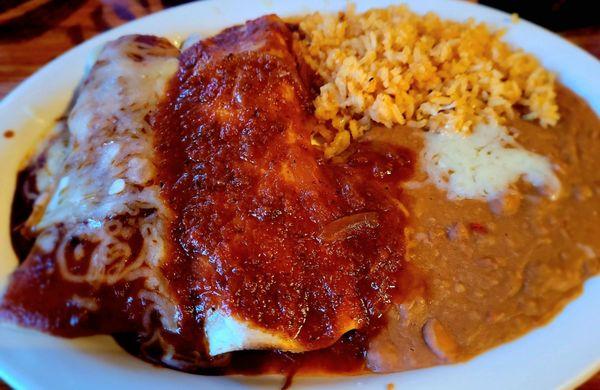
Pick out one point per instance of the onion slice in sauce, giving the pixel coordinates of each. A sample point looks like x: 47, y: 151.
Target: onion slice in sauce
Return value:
x: 344, y: 227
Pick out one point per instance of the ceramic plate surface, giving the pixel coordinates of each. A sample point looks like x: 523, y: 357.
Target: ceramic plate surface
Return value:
x: 559, y: 355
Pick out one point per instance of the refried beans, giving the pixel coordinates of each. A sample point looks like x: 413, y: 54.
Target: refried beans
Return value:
x: 495, y: 271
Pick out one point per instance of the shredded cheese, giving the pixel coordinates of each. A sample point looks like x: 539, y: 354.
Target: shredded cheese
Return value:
x: 484, y: 164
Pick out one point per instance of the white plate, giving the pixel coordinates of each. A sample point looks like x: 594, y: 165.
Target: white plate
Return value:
x: 559, y: 355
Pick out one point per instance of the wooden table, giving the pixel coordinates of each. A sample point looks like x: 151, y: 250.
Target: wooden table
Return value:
x: 33, y: 32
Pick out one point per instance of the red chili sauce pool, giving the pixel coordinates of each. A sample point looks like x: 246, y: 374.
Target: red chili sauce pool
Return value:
x: 263, y: 226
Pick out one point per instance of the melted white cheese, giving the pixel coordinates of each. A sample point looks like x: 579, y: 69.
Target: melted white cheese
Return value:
x: 110, y: 143
x: 484, y: 164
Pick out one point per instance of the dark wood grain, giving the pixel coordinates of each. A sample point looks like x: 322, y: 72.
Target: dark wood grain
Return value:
x: 33, y: 32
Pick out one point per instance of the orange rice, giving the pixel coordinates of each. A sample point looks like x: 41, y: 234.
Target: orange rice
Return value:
x: 394, y: 67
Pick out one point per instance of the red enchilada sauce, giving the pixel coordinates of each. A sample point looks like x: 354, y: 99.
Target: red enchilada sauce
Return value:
x: 264, y: 228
